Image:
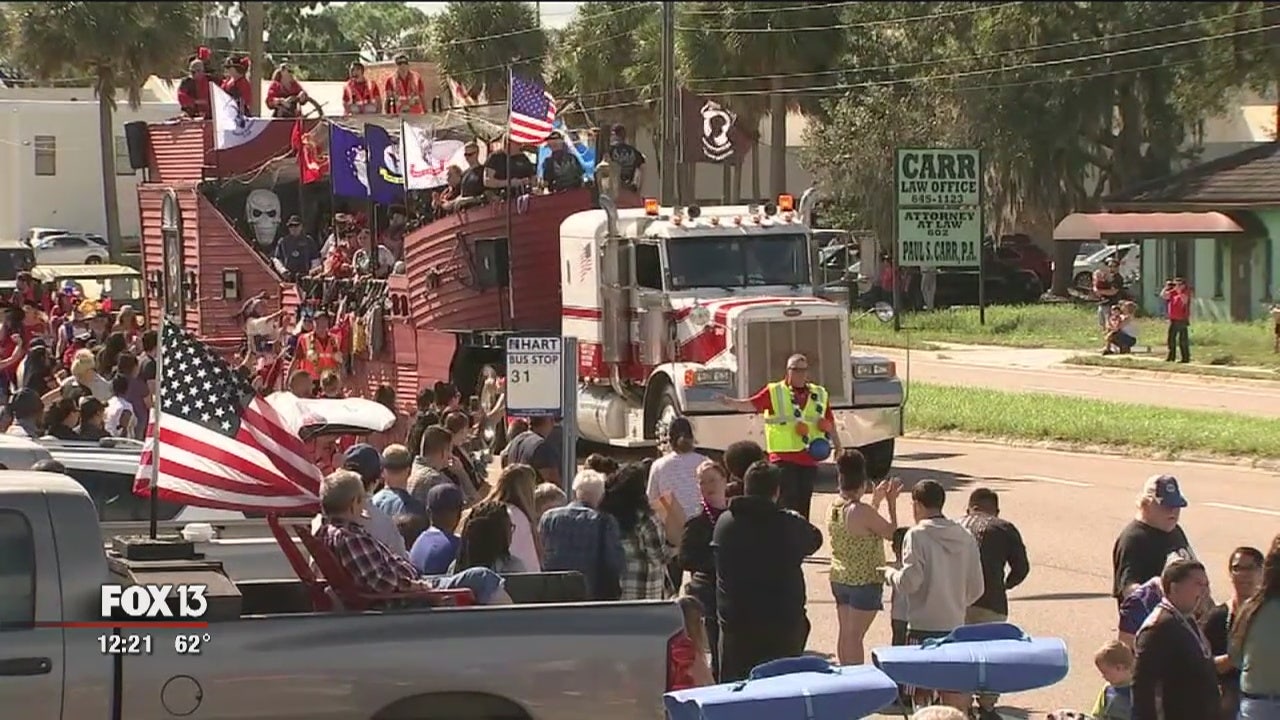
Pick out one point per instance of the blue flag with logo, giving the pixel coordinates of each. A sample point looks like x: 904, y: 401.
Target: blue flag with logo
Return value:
x: 348, y: 168
x: 585, y: 154
x: 386, y: 174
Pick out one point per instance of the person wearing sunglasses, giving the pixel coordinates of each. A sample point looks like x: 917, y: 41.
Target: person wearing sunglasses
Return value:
x: 1246, y: 577
x: 799, y: 430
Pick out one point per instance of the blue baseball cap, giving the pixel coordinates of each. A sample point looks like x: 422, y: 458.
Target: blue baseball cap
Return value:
x: 364, y: 459
x: 1164, y: 488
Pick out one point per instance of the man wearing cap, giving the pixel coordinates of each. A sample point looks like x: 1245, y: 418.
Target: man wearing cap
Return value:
x: 359, y: 96
x: 522, y: 171
x: 799, y: 430
x: 193, y: 91
x: 437, y: 547
x: 404, y: 90
x: 561, y: 170
x: 296, y: 254
x: 472, y: 185
x: 628, y: 160
x: 1147, y: 542
x: 364, y: 460
x: 235, y: 84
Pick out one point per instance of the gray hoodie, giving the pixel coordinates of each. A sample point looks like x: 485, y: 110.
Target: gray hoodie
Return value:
x: 941, y: 574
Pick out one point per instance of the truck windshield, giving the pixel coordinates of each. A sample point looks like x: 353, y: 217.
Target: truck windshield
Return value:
x: 15, y: 261
x: 719, y: 261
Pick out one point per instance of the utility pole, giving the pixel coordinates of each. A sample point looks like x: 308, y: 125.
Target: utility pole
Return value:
x: 254, y: 21
x: 669, y: 105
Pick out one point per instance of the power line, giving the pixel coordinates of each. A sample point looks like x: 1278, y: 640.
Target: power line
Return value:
x: 844, y: 87
x: 961, y: 58
x: 847, y: 26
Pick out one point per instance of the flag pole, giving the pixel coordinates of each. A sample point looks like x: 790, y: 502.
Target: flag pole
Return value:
x: 511, y: 306
x: 153, y: 509
x: 404, y: 175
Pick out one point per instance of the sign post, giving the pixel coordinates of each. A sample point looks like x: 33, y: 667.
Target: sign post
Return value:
x: 542, y: 381
x: 939, y: 210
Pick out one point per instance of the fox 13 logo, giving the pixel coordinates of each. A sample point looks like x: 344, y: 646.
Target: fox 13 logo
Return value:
x: 154, y: 602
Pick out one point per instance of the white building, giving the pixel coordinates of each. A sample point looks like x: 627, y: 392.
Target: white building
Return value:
x: 50, y: 160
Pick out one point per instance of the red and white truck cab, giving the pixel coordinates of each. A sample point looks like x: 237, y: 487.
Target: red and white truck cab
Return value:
x: 675, y: 307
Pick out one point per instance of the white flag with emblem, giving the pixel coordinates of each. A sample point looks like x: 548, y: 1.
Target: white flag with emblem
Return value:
x: 426, y: 161
x: 232, y: 128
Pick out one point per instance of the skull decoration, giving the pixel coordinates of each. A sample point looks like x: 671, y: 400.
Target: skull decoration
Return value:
x: 262, y: 211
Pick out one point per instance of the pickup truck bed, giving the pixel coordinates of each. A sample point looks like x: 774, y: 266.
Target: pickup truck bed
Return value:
x: 280, y: 661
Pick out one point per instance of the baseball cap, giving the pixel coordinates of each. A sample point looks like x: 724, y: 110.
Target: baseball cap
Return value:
x: 679, y: 428
x: 364, y: 459
x: 1164, y: 488
x: 445, y: 498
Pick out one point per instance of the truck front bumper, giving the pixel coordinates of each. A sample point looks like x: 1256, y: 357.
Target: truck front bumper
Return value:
x: 858, y: 427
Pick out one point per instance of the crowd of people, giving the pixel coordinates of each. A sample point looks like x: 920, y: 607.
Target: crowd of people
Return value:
x: 73, y: 368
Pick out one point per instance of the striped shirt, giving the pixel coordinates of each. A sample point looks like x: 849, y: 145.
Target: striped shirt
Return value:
x: 675, y: 473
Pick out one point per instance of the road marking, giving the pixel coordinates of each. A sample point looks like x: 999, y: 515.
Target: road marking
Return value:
x: 1055, y: 481
x: 1244, y: 508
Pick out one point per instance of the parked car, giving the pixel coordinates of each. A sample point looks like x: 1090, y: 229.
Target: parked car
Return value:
x: 71, y: 249
x: 15, y: 257
x: 277, y: 650
x: 1129, y: 254
x: 1019, y: 250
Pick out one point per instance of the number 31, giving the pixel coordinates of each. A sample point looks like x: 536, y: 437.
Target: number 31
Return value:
x: 519, y: 376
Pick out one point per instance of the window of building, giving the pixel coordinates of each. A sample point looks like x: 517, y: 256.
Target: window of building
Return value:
x: 122, y: 157
x: 17, y: 570
x: 46, y: 149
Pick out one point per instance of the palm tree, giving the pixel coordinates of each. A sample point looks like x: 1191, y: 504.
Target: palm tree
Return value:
x: 475, y: 42
x: 783, y: 45
x: 120, y: 45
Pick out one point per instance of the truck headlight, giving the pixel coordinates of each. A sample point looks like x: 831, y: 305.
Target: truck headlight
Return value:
x: 874, y: 370
x: 699, y: 315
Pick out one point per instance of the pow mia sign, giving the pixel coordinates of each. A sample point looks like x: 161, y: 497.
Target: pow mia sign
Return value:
x: 710, y: 132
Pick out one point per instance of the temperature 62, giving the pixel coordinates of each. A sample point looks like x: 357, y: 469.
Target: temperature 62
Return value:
x: 189, y: 644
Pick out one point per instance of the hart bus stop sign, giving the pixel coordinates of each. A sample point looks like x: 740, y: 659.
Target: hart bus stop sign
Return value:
x: 535, y: 375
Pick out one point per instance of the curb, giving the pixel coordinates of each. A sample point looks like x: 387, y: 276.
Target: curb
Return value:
x: 1133, y: 452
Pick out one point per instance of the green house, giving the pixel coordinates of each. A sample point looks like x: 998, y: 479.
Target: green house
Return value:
x: 1215, y: 224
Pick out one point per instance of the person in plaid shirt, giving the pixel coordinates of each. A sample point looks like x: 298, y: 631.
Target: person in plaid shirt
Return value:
x: 649, y: 538
x: 371, y: 564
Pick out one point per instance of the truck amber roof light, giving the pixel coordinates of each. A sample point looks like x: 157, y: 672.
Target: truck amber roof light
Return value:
x: 786, y: 202
x: 650, y: 206
x: 715, y: 220
x: 737, y: 219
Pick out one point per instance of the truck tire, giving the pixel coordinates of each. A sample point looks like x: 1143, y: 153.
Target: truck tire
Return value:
x: 879, y: 457
x: 1083, y: 281
x: 665, y: 409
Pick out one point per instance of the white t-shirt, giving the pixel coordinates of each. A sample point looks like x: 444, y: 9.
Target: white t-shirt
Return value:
x: 522, y: 546
x: 116, y: 408
x: 675, y: 473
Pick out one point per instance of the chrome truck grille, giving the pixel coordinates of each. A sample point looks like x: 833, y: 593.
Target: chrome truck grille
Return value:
x: 770, y: 341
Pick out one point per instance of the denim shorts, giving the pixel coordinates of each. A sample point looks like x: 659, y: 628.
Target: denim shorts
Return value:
x: 1257, y: 708
x: 859, y: 597
x: 481, y: 581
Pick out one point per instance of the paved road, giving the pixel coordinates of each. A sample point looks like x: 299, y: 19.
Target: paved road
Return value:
x: 1069, y: 508
x: 1041, y: 371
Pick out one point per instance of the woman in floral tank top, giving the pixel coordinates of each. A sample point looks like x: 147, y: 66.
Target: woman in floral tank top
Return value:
x: 857, y: 534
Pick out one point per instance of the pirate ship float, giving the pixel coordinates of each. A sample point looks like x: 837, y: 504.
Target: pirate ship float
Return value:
x: 208, y: 214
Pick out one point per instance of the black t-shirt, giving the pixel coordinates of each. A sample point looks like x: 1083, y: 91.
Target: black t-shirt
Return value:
x: 521, y: 168
x: 1140, y: 553
x: 148, y: 371
x: 562, y: 171
x: 530, y: 448
x: 473, y: 181
x: 627, y: 158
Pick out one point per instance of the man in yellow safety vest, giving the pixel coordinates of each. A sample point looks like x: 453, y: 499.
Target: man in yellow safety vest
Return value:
x: 796, y: 414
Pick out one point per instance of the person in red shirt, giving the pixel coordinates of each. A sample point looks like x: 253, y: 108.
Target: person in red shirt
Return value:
x: 404, y: 91
x: 237, y: 85
x: 1177, y: 297
x: 193, y: 91
x: 359, y: 96
x: 787, y: 431
x: 285, y: 96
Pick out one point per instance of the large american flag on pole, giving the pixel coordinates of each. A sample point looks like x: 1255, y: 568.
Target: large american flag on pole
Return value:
x: 220, y: 445
x: 533, y: 111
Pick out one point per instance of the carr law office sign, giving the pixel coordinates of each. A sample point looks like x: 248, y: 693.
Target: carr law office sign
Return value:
x: 939, y: 200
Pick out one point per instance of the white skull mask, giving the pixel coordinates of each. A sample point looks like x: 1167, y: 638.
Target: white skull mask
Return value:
x: 262, y: 211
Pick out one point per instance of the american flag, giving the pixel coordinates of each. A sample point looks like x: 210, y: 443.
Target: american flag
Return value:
x: 533, y: 112
x: 220, y: 445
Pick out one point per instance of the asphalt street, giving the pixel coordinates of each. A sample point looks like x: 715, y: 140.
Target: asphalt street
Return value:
x: 1017, y: 370
x: 1069, y: 508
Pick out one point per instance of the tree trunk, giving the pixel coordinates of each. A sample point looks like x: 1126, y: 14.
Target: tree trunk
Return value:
x: 110, y: 198
x: 254, y: 20
x: 778, y: 141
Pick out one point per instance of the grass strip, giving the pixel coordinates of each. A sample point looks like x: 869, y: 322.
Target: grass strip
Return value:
x: 1043, y: 416
x: 1071, y: 326
x: 1155, y: 365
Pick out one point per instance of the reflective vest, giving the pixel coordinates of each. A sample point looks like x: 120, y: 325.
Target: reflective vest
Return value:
x: 317, y: 356
x: 781, y: 434
x: 407, y: 93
